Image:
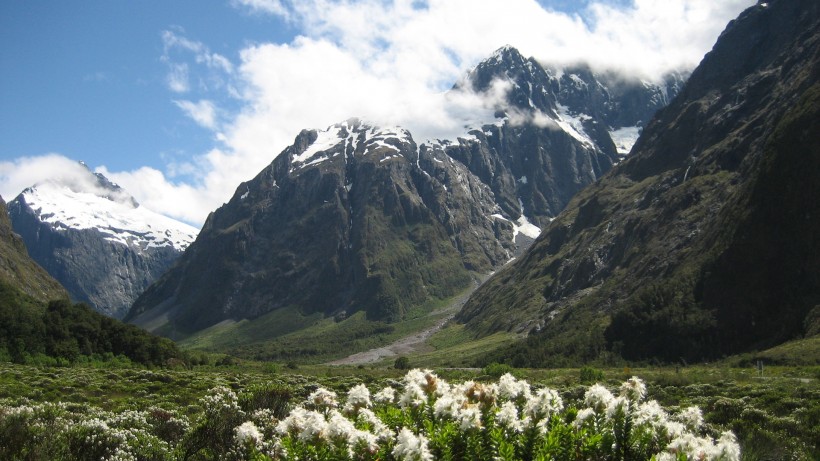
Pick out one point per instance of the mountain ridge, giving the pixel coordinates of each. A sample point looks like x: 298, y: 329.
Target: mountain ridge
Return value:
x: 641, y: 262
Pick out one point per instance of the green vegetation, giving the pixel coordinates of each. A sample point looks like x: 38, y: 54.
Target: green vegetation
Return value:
x: 65, y: 333
x: 402, y: 363
x: 171, y: 413
x: 289, y: 335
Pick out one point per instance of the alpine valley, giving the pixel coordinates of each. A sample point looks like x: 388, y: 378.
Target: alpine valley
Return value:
x: 365, y: 225
x: 594, y: 218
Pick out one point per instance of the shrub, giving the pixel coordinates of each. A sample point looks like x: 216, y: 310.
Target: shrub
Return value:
x: 591, y: 375
x: 496, y: 370
x: 402, y: 363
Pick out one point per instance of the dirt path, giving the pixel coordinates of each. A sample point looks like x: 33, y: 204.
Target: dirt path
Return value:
x: 413, y: 342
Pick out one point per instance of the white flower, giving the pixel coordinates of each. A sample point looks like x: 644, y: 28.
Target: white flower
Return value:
x: 509, y: 388
x: 582, y: 417
x: 650, y: 413
x: 543, y: 404
x: 339, y: 427
x: 727, y: 448
x: 634, y: 389
x: 447, y: 405
x: 691, y: 417
x: 597, y: 397
x: 315, y: 427
x: 700, y: 448
x: 248, y: 432
x: 306, y: 425
x: 674, y: 429
x: 365, y: 439
x: 357, y: 397
x: 410, y: 447
x: 386, y: 395
x: 413, y: 396
x: 618, y: 406
x: 425, y: 379
x: 293, y: 423
x: 543, y: 426
x: 380, y: 429
x: 470, y: 418
x: 507, y: 416
x: 323, y: 398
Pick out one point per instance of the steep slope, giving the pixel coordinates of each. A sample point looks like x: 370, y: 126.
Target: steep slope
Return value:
x: 95, y: 239
x: 610, y: 105
x: 37, y: 319
x: 351, y: 218
x: 704, y: 241
x: 562, y: 128
x: 20, y: 276
x: 361, y: 218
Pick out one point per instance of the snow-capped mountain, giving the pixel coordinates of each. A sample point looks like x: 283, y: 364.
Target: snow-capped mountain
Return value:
x: 94, y: 238
x: 362, y: 217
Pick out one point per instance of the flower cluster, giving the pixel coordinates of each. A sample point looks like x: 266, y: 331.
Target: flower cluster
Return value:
x: 421, y: 418
x: 426, y: 418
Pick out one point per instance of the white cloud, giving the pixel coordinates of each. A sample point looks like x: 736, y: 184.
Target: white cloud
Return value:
x: 178, y: 78
x: 152, y: 189
x: 391, y: 62
x: 264, y: 6
x: 202, y: 112
x: 23, y: 172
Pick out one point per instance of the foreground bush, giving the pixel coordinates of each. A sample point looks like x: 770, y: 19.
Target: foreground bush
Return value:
x: 422, y: 418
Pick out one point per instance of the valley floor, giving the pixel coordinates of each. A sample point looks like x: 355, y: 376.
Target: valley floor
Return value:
x: 411, y: 344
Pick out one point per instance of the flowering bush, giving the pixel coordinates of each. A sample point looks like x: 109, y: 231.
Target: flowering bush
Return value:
x: 427, y: 418
x: 421, y: 418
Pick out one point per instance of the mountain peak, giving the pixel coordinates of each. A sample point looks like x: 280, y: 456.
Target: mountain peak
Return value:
x: 84, y: 181
x: 349, y: 139
x: 88, y: 200
x: 94, y: 238
x: 507, y: 54
x: 523, y: 82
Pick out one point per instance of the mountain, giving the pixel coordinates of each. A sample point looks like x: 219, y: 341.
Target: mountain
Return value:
x: 38, y: 324
x: 703, y: 242
x: 95, y: 239
x: 359, y: 217
x: 18, y: 272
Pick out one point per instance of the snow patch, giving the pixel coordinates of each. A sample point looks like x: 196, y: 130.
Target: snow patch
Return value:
x: 573, y: 124
x: 118, y: 221
x: 625, y: 137
x: 326, y: 139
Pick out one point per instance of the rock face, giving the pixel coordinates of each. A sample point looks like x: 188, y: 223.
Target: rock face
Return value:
x: 18, y: 271
x: 703, y: 242
x: 95, y: 239
x: 359, y: 217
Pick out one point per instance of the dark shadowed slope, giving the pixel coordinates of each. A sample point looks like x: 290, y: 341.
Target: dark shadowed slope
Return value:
x: 705, y: 241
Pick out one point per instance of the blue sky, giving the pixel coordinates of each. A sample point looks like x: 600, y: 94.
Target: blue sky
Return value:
x: 179, y: 101
x: 86, y: 78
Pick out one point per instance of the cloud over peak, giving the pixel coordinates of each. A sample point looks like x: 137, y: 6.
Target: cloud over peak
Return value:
x: 391, y: 62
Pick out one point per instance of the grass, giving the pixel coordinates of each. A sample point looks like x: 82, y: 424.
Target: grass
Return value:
x: 454, y: 347
x: 316, y: 338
